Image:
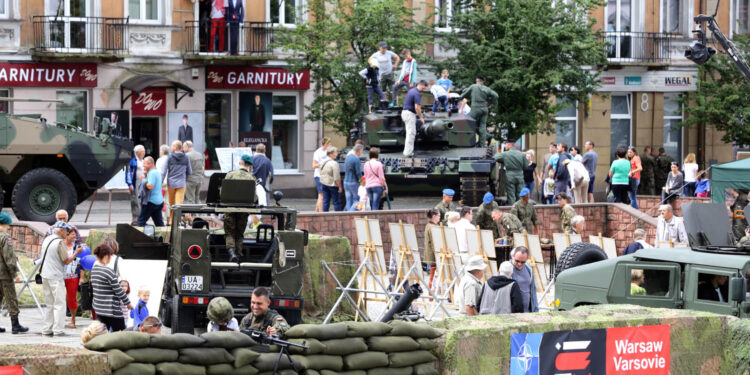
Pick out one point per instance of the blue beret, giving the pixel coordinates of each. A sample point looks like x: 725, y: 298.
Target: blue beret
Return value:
x: 63, y: 225
x: 449, y: 192
x: 247, y: 159
x: 5, y: 218
x: 488, y: 198
x: 524, y: 192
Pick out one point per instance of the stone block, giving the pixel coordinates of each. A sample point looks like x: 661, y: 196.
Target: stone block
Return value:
x: 45, y: 359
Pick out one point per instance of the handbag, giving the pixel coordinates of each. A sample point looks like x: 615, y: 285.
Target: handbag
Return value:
x: 87, y: 296
x: 38, y: 277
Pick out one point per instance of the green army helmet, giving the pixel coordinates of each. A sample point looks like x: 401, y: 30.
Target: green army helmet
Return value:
x: 220, y: 310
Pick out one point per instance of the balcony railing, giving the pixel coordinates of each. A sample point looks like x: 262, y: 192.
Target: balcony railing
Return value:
x: 80, y: 35
x: 638, y: 47
x: 219, y: 38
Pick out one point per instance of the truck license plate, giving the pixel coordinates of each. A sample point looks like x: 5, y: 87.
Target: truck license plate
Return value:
x: 192, y: 283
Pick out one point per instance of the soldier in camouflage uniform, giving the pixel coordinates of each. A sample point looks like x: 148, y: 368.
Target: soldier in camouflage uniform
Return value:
x: 567, y: 212
x: 509, y: 222
x: 514, y: 162
x: 447, y: 204
x: 525, y: 211
x: 483, y: 217
x: 262, y: 318
x: 235, y: 223
x: 663, y: 167
x: 739, y: 224
x: 482, y: 97
x: 648, y: 163
x: 8, y: 270
x: 221, y: 315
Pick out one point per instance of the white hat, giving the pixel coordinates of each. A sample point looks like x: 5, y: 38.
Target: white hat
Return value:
x: 474, y: 263
x: 505, y: 269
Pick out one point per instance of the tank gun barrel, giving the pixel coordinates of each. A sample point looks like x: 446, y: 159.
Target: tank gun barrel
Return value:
x: 436, y: 128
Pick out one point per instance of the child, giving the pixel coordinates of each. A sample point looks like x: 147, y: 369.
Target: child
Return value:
x: 441, y: 96
x: 372, y: 81
x: 362, y: 204
x: 703, y: 185
x: 446, y: 83
x: 140, y: 311
x: 408, y: 76
x: 125, y: 285
x: 549, y: 188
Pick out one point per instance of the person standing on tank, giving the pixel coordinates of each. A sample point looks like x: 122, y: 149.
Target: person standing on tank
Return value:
x: 386, y: 62
x: 412, y: 110
x: 481, y: 98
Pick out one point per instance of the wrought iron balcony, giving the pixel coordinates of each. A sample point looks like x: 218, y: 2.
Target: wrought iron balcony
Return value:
x: 218, y: 38
x: 80, y: 35
x: 638, y: 47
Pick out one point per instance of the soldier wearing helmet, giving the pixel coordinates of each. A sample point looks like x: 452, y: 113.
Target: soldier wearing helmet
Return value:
x: 221, y: 316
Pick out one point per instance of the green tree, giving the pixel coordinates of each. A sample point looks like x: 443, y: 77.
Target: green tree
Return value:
x: 335, y: 43
x: 721, y: 97
x: 530, y: 51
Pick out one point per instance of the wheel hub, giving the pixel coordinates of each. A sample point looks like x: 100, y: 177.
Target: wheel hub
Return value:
x: 44, y: 199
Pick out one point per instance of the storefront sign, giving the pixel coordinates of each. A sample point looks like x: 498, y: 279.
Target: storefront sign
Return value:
x: 651, y: 81
x: 48, y: 75
x: 253, y: 138
x: 608, y: 80
x: 150, y: 102
x: 680, y: 81
x: 632, y: 81
x: 225, y: 77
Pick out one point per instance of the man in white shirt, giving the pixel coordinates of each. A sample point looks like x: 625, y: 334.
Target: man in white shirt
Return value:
x: 318, y: 157
x: 670, y: 227
x: 470, y: 288
x: 461, y: 226
x: 441, y: 97
x: 579, y: 180
x: 385, y: 60
x: 54, y: 258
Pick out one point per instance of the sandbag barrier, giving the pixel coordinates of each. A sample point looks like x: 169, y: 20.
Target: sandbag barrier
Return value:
x: 352, y: 348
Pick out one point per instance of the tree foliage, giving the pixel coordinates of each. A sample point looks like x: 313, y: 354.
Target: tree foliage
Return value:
x: 722, y: 96
x: 335, y: 43
x: 530, y: 51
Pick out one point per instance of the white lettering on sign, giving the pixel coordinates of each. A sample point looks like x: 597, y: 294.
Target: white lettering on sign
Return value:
x: 654, y: 363
x: 148, y: 103
x: 632, y: 364
x: 215, y: 77
x: 259, y: 78
x: 627, y: 347
x: 85, y: 73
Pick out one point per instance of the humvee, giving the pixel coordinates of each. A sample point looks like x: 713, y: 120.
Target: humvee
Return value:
x: 710, y: 275
x: 199, y: 266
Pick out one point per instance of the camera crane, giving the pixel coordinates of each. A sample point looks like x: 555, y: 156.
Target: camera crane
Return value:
x: 700, y: 53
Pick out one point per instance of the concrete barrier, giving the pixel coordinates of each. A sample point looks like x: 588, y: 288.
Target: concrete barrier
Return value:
x: 46, y: 359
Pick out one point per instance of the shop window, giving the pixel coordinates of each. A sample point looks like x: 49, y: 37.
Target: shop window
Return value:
x: 144, y: 10
x: 285, y: 132
x: 284, y: 12
x: 4, y: 106
x: 713, y: 287
x: 566, y: 122
x: 619, y: 123
x: 672, y: 129
x: 74, y: 108
x: 218, y: 124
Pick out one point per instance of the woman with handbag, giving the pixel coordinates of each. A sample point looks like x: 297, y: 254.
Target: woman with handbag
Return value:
x: 375, y: 179
x: 634, y: 175
x: 72, y: 272
x: 108, y: 294
x: 618, y: 174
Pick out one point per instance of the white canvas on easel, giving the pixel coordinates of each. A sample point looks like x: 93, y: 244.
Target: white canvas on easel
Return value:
x: 484, y: 248
x: 409, y: 242
x: 607, y: 244
x: 447, y: 260
x: 370, y: 248
x: 563, y: 240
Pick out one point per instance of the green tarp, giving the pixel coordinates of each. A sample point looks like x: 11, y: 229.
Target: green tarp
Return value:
x: 732, y: 175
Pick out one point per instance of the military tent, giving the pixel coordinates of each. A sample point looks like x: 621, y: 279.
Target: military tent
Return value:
x: 733, y: 175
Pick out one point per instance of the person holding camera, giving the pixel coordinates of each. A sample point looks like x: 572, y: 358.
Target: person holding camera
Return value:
x: 8, y: 275
x: 52, y: 270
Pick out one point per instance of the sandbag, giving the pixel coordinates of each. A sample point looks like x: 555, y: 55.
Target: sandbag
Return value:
x: 367, y: 329
x: 411, y: 358
x: 413, y: 330
x: 392, y: 344
x: 227, y: 340
x: 136, y: 369
x: 205, y: 356
x: 315, y: 345
x: 175, y: 368
x: 426, y: 344
x: 175, y: 341
x: 366, y: 360
x: 119, y: 340
x: 117, y: 359
x: 319, y: 362
x: 227, y: 369
x: 281, y: 372
x: 390, y: 371
x: 345, y: 346
x: 425, y: 369
x: 311, y: 372
x: 318, y: 331
x: 244, y: 356
x: 353, y: 372
x: 153, y: 355
x: 266, y: 362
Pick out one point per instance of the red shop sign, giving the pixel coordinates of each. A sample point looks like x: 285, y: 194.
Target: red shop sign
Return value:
x: 48, y: 75
x: 638, y: 350
x: 150, y: 102
x: 230, y: 77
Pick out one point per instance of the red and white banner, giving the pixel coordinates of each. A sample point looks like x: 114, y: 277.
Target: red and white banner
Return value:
x: 48, y: 75
x: 241, y: 77
x: 150, y: 102
x: 638, y: 350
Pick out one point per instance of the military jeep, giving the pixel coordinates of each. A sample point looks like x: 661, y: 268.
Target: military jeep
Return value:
x: 199, y: 266
x: 710, y: 275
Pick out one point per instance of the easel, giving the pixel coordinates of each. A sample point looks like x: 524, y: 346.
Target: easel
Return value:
x: 371, y: 255
x: 491, y: 265
x: 405, y: 257
x: 607, y: 244
x: 26, y: 281
x: 446, y: 272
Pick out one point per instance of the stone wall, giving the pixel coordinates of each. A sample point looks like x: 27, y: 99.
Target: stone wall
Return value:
x: 649, y: 203
x: 27, y: 237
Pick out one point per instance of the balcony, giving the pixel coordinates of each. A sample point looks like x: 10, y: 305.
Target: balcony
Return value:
x: 634, y: 48
x: 103, y: 36
x: 212, y: 39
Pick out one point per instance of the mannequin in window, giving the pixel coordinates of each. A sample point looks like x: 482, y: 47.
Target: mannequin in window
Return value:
x: 258, y: 116
x: 235, y: 14
x: 218, y: 17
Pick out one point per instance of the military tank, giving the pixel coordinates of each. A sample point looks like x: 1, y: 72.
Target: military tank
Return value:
x: 446, y: 154
x: 46, y: 166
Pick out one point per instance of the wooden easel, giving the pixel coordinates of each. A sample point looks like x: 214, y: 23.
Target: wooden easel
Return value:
x: 447, y: 271
x: 484, y: 256
x: 407, y: 260
x: 371, y: 255
x: 540, y: 285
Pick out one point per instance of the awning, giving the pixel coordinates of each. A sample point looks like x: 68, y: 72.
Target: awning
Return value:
x: 139, y: 83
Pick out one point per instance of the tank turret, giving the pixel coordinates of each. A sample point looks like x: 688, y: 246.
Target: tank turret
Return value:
x: 436, y: 128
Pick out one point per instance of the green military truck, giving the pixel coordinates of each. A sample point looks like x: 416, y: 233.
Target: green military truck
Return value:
x: 711, y: 275
x: 199, y: 266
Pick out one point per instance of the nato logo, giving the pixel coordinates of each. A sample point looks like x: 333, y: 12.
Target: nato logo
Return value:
x: 524, y: 353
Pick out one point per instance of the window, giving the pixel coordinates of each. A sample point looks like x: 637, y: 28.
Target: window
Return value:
x: 144, y: 10
x: 672, y: 130
x: 4, y: 106
x: 650, y: 282
x: 619, y: 123
x: 69, y: 30
x: 4, y: 11
x: 566, y: 122
x: 619, y: 26
x: 285, y: 132
x: 74, y: 108
x: 445, y: 10
x: 742, y: 23
x: 284, y: 12
x: 713, y: 287
x: 218, y: 124
x: 671, y: 16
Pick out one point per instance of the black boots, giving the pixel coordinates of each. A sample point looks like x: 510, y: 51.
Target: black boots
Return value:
x: 232, y: 255
x: 17, y: 327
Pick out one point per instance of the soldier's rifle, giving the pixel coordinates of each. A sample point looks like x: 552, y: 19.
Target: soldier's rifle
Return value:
x: 266, y: 339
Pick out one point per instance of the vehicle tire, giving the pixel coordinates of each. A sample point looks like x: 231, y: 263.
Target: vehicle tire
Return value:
x: 579, y: 254
x: 165, y: 313
x: 182, y: 320
x: 41, y: 192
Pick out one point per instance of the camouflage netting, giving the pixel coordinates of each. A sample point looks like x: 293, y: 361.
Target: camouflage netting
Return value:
x: 45, y: 359
x: 701, y: 342
x: 339, y: 348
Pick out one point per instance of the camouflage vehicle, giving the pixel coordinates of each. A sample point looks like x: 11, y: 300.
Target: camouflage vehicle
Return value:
x: 199, y: 266
x: 711, y: 275
x: 445, y: 154
x: 46, y: 166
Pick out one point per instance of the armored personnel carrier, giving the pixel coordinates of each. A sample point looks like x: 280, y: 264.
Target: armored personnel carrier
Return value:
x: 199, y: 266
x: 45, y: 166
x: 445, y: 154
